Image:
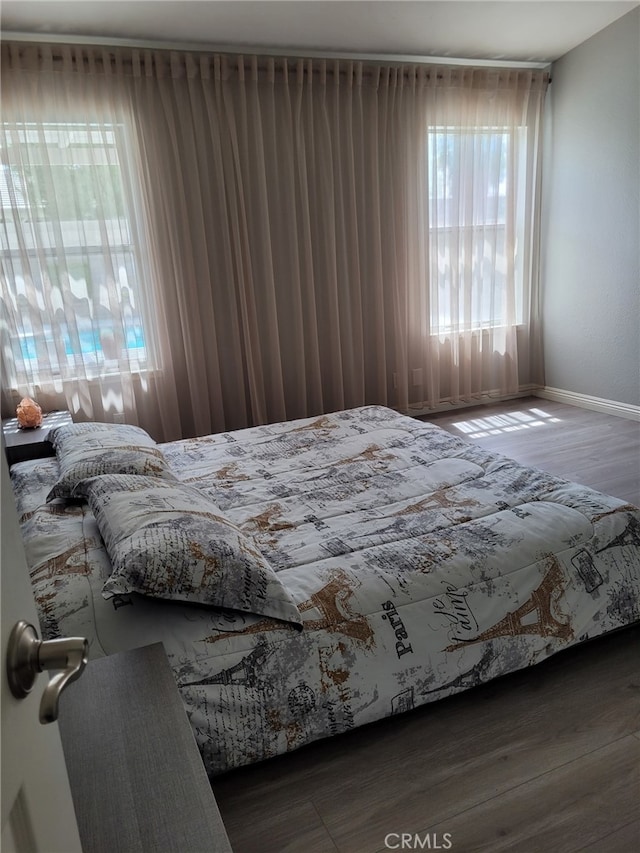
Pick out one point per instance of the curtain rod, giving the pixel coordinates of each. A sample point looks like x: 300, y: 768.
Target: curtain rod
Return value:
x: 49, y: 38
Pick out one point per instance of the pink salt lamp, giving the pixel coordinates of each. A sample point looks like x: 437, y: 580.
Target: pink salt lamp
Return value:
x: 29, y: 413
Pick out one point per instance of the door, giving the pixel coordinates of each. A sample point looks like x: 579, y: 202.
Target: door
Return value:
x: 37, y: 810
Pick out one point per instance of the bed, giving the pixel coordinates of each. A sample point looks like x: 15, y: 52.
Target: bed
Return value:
x: 397, y: 564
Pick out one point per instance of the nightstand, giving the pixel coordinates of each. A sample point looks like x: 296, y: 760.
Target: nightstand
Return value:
x: 23, y: 444
x: 137, y: 779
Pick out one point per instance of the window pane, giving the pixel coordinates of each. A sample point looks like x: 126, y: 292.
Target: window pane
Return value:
x: 71, y: 276
x: 473, y: 228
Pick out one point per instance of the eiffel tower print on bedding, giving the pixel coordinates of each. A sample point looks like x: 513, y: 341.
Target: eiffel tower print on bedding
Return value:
x: 376, y: 563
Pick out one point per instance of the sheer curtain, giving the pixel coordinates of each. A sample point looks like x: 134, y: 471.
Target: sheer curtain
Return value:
x: 79, y: 307
x: 483, y: 177
x: 293, y: 236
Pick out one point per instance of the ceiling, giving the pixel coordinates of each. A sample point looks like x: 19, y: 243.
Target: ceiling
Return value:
x: 517, y: 30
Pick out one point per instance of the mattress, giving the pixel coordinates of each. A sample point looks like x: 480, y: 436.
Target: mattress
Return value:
x: 420, y: 565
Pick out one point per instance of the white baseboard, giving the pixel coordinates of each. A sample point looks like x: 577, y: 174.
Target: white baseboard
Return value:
x: 585, y: 401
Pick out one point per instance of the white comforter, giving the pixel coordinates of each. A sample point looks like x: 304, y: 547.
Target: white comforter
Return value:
x: 421, y: 565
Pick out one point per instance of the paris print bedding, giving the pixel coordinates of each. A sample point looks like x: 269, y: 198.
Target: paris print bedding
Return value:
x: 376, y: 563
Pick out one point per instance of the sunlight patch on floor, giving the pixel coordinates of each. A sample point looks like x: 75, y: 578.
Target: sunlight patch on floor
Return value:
x: 510, y: 422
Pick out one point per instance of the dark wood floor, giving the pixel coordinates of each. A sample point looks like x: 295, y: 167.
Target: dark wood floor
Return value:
x: 542, y: 761
x: 601, y: 451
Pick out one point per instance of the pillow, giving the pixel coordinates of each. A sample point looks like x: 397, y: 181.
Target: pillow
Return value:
x: 168, y: 540
x: 86, y: 450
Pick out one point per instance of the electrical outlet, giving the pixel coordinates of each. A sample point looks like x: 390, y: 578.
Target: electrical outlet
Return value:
x: 118, y: 418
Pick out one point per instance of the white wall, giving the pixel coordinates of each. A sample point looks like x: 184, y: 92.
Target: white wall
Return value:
x: 591, y: 217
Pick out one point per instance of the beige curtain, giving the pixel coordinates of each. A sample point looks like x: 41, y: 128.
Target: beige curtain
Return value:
x: 308, y: 235
x: 81, y: 305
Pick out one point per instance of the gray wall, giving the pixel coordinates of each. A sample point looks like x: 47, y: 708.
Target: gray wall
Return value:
x: 591, y: 217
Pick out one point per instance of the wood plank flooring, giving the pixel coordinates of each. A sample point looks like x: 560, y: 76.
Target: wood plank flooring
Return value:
x: 601, y: 451
x: 546, y: 760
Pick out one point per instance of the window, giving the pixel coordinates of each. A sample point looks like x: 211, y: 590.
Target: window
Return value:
x: 71, y: 262
x: 476, y: 226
